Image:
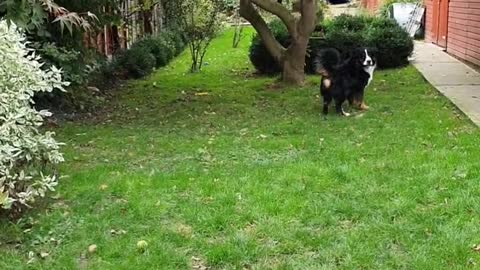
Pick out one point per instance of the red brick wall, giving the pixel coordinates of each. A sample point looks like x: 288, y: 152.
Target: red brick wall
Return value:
x: 371, y: 5
x: 464, y: 30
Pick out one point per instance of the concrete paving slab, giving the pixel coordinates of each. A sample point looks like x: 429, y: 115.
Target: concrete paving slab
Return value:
x: 431, y: 54
x: 454, y: 79
x: 448, y: 73
x: 466, y: 98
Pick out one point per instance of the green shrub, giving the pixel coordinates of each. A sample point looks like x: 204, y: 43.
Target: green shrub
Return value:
x: 137, y: 61
x: 344, y: 33
x: 178, y: 40
x: 346, y: 22
x: 69, y: 60
x: 260, y: 56
x: 159, y: 46
x: 344, y: 41
x: 29, y: 156
x: 393, y: 45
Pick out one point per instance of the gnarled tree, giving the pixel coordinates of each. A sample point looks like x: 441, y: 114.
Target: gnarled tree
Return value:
x: 291, y: 59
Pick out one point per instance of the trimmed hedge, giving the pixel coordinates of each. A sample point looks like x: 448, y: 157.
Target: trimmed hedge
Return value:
x: 393, y: 44
x: 137, y: 62
x: 149, y: 53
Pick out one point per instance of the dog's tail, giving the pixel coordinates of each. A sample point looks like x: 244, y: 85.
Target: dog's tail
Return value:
x: 327, y: 61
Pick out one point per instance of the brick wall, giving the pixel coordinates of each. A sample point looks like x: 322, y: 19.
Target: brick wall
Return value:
x: 371, y: 5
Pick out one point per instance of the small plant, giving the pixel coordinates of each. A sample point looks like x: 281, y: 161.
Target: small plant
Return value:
x: 27, y: 156
x: 238, y: 35
x: 201, y: 23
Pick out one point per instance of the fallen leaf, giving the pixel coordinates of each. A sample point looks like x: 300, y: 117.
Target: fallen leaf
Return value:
x: 460, y: 174
x: 117, y: 232
x: 198, y: 264
x: 142, y: 245
x: 92, y: 248
x: 103, y: 187
x: 184, y: 230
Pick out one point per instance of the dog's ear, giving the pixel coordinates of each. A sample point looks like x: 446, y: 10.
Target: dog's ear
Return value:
x: 358, y: 56
x: 372, y: 51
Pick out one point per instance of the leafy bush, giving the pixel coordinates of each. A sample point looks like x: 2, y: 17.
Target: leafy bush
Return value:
x: 178, y: 40
x: 346, y: 22
x: 260, y: 56
x: 393, y: 45
x: 27, y: 156
x: 159, y: 47
x: 344, y: 33
x: 137, y: 61
x: 69, y: 60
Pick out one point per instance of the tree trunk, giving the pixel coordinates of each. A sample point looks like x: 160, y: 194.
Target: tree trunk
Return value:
x: 294, y: 62
x: 292, y: 59
x: 147, y: 22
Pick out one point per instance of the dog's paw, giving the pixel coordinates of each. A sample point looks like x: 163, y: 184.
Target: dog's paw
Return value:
x: 364, y: 107
x: 343, y: 113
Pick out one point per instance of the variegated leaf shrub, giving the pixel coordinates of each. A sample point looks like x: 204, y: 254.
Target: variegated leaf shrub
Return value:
x: 27, y: 155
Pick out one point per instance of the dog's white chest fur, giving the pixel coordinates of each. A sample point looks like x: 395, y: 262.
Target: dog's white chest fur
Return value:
x: 369, y: 70
x: 368, y: 67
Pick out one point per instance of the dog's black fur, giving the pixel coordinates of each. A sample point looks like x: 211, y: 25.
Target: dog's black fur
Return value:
x: 344, y: 78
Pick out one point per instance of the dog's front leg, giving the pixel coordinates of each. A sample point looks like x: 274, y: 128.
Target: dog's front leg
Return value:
x: 327, y: 99
x: 339, y: 108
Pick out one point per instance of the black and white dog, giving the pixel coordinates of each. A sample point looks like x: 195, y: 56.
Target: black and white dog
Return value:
x: 345, y: 78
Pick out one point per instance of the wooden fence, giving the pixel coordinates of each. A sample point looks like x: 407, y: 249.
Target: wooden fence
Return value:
x: 137, y: 22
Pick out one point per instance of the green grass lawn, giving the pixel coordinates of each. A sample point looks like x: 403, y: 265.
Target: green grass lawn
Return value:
x: 247, y: 175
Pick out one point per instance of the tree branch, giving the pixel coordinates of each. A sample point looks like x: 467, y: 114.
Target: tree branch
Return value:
x: 308, y: 9
x: 250, y: 14
x: 280, y: 11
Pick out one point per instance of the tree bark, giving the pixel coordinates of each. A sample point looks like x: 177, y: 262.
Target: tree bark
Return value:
x: 294, y: 61
x: 291, y: 59
x: 248, y: 11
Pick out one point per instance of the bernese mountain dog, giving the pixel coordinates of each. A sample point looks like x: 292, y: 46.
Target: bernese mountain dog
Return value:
x: 345, y: 77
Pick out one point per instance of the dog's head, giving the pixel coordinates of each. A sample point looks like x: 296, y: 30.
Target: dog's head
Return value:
x: 364, y: 57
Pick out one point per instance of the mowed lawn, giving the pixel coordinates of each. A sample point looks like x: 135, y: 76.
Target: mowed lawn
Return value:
x: 227, y: 170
